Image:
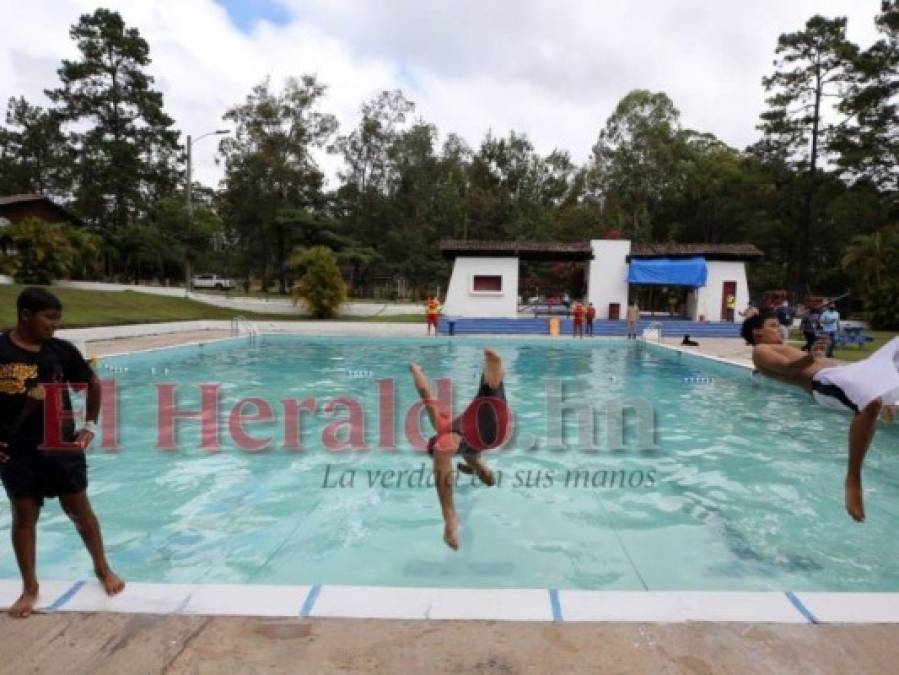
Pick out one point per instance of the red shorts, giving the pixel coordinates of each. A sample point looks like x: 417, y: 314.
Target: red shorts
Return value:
x: 432, y: 319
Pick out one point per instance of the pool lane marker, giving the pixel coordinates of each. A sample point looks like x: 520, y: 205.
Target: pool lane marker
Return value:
x: 65, y: 597
x: 801, y: 608
x: 556, y: 605
x: 311, y: 597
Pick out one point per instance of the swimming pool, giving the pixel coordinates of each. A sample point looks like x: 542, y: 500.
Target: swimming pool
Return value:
x: 741, y: 491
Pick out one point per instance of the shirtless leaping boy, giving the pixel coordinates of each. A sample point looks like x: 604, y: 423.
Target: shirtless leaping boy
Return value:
x: 869, y: 388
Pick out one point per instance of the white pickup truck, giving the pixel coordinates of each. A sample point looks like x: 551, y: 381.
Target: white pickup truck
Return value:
x: 212, y: 281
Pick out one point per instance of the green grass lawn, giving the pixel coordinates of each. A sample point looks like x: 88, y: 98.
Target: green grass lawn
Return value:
x: 854, y: 352
x: 95, y: 308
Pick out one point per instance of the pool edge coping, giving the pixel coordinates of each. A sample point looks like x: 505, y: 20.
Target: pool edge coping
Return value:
x: 545, y: 605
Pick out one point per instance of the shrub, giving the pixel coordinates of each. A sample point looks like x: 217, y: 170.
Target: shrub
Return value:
x: 321, y: 287
x: 46, y: 251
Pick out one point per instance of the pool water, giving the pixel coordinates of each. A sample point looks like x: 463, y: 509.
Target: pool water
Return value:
x: 741, y: 488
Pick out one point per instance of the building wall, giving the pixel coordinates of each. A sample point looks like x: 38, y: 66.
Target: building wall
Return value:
x: 608, y: 275
x: 462, y: 301
x: 708, y: 298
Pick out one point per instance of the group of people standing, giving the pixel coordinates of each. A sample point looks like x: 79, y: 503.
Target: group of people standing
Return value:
x: 814, y: 324
x: 583, y: 315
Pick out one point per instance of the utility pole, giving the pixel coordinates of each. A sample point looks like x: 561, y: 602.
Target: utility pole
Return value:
x: 190, y: 217
x: 188, y: 190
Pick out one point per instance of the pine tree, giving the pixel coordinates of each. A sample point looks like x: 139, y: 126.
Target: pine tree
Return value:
x: 128, y: 152
x: 35, y: 156
x: 812, y: 65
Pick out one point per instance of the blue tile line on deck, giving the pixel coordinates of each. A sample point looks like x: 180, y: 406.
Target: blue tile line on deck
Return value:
x: 311, y: 597
x: 556, y: 605
x: 65, y: 597
x: 184, y: 603
x: 801, y: 608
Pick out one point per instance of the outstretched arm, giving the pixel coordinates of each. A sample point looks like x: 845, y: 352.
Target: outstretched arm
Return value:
x: 767, y: 358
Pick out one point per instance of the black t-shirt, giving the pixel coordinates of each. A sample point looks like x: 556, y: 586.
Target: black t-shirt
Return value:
x: 22, y: 374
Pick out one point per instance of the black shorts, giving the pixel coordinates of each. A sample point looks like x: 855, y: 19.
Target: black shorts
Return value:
x: 482, y: 417
x: 36, y: 474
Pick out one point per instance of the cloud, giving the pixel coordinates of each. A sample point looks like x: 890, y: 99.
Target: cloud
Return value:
x: 554, y: 70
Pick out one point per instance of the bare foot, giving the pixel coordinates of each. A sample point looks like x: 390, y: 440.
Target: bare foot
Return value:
x: 889, y: 412
x: 24, y: 606
x: 451, y: 533
x: 493, y: 368
x: 111, y: 582
x: 854, y: 503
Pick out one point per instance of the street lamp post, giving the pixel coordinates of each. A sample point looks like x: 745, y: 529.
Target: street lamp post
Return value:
x: 190, y: 207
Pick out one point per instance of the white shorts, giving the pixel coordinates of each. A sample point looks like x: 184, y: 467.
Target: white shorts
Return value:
x: 853, y: 386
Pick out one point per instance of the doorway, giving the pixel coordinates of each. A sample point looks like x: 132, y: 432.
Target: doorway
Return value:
x: 728, y: 289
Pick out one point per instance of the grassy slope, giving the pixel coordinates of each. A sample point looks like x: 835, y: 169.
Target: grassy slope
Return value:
x: 94, y: 308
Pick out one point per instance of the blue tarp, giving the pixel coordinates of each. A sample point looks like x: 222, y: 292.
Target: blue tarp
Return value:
x: 668, y: 271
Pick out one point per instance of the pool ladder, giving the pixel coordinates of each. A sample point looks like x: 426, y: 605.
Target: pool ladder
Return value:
x: 239, y: 322
x: 655, y: 325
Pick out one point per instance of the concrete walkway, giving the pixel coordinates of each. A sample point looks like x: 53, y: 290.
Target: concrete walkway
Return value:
x: 123, y: 644
x: 732, y: 349
x: 130, y: 344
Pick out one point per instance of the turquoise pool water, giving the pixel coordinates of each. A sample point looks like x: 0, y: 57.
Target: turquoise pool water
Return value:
x: 743, y: 490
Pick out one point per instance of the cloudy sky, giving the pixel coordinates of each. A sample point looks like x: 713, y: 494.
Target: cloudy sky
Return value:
x: 553, y: 69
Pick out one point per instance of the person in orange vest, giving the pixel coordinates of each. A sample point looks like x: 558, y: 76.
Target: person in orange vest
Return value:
x: 579, y: 313
x: 432, y: 314
x: 591, y: 314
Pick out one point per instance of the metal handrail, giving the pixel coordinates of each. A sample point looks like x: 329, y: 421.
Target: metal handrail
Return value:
x: 239, y: 321
x: 653, y: 324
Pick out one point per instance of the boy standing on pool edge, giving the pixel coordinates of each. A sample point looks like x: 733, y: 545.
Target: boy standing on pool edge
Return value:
x: 30, y: 357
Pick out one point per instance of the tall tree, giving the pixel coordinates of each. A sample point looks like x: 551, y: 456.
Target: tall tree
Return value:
x: 869, y: 149
x: 812, y: 65
x: 35, y: 155
x: 635, y: 160
x: 271, y: 175
x: 366, y: 149
x: 127, y: 148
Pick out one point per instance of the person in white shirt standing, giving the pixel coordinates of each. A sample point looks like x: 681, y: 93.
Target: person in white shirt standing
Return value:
x: 830, y: 324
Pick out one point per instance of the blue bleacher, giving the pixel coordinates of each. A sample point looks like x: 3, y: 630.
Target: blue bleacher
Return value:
x: 524, y: 326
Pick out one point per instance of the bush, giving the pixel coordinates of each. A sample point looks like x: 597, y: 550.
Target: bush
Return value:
x: 321, y: 287
x: 46, y: 251
x: 882, y: 303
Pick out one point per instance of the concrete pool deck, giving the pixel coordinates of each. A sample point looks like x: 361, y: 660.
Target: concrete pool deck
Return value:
x: 730, y: 349
x: 123, y: 644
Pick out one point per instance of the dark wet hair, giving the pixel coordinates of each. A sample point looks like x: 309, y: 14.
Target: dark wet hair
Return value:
x: 754, y: 323
x: 36, y: 299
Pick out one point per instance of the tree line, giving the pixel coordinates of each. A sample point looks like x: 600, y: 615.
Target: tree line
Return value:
x: 817, y: 192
